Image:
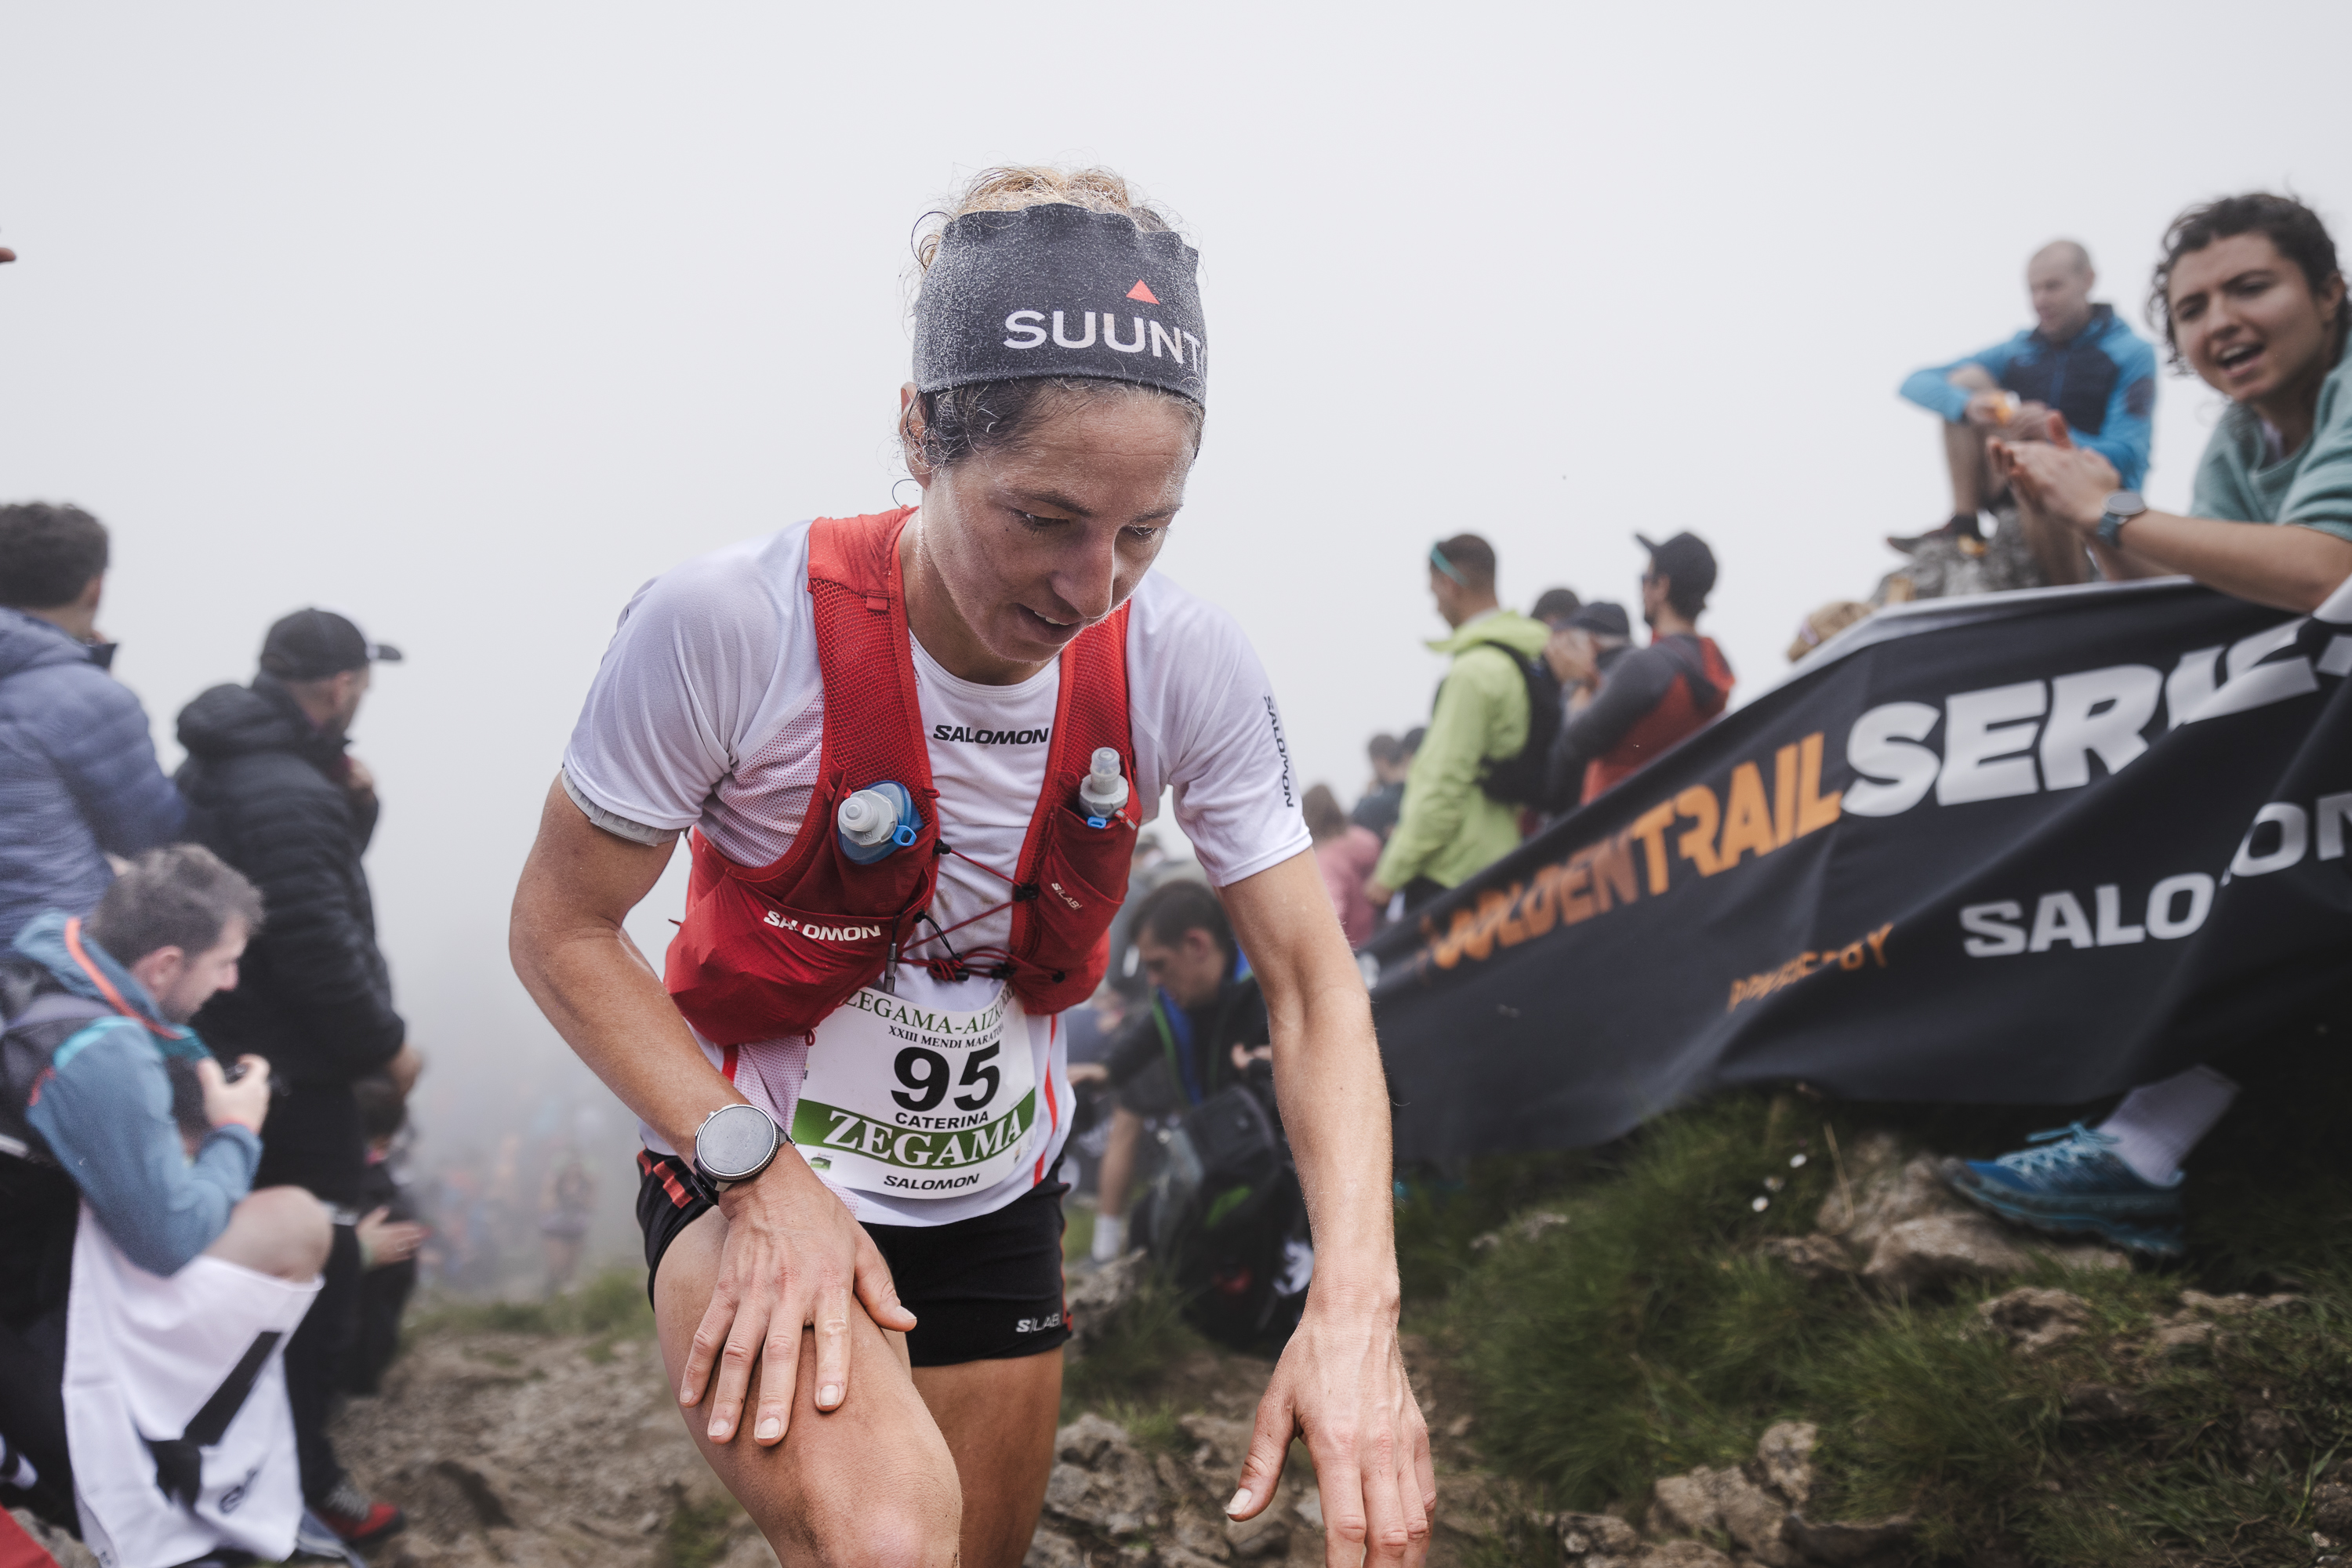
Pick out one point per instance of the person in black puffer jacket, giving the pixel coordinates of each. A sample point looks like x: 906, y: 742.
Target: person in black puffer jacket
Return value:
x: 279, y: 799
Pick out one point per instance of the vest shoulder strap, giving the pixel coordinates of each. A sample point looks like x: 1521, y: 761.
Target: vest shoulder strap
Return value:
x: 861, y: 642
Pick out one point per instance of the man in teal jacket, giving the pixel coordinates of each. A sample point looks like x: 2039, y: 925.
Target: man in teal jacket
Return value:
x: 1451, y: 827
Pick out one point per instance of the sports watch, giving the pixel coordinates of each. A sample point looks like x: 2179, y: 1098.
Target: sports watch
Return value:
x: 2122, y: 507
x: 735, y: 1143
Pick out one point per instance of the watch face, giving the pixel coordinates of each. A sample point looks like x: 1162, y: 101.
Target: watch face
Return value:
x: 2125, y: 503
x: 735, y: 1142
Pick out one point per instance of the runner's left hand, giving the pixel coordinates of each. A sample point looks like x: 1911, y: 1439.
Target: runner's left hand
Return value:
x: 1341, y: 1385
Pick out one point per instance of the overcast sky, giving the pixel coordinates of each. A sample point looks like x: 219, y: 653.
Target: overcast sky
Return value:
x: 468, y: 319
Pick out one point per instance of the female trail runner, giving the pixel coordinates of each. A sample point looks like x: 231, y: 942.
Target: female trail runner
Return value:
x: 914, y: 750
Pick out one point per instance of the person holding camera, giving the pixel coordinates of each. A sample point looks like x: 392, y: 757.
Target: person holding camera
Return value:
x: 168, y: 1314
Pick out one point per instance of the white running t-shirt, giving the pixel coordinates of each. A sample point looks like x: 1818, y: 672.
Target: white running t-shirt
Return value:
x: 708, y: 711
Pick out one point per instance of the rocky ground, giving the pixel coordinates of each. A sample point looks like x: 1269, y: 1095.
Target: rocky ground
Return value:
x: 532, y: 1447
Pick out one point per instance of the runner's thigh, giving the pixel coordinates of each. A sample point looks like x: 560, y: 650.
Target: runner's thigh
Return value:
x: 871, y: 1481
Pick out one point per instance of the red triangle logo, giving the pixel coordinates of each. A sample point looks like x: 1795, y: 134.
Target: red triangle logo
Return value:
x: 1141, y: 293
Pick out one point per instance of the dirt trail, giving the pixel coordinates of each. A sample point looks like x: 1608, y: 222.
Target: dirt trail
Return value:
x: 530, y: 1449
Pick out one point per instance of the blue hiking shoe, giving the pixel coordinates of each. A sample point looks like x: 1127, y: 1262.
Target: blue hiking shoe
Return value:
x: 2072, y: 1183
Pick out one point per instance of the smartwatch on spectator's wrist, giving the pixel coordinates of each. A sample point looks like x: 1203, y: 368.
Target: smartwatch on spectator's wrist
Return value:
x: 735, y: 1143
x: 2121, y: 507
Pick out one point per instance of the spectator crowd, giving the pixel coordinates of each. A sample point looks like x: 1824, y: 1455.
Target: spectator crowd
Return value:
x: 190, y: 1245
x: 208, y: 1229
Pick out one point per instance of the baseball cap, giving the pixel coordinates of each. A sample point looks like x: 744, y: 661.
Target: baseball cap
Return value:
x: 311, y: 645
x: 1686, y: 558
x: 1604, y: 617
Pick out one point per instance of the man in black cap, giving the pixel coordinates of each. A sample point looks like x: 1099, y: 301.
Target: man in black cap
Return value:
x: 1646, y: 699
x: 286, y: 805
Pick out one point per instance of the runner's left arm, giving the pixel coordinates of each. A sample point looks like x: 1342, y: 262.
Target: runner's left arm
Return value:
x: 1341, y: 1382
x: 792, y: 1254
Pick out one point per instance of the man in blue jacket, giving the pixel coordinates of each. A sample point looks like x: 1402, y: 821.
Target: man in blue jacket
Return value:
x: 78, y: 779
x: 2078, y: 362
x: 112, y: 1101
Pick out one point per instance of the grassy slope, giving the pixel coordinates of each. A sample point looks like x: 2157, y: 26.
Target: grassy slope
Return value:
x: 1647, y: 1336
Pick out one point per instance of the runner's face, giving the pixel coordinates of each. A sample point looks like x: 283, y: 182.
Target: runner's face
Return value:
x: 1038, y: 543
x: 2245, y: 319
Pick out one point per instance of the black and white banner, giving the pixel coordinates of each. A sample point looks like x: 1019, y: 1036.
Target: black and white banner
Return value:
x: 2025, y: 847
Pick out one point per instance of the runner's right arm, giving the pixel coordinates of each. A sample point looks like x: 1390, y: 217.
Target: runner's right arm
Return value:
x: 793, y: 1254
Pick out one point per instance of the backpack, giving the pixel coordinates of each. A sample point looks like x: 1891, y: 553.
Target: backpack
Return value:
x: 1226, y: 1219
x: 37, y: 1015
x: 1518, y: 779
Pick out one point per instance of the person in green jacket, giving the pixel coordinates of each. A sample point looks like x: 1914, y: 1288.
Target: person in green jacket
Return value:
x: 1451, y: 828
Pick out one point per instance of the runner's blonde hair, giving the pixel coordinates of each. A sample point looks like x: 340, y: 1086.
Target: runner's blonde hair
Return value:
x: 1012, y: 187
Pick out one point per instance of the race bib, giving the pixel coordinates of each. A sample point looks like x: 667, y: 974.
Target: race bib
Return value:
x: 915, y: 1101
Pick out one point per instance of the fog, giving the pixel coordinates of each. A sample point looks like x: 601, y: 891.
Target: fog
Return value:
x: 468, y: 319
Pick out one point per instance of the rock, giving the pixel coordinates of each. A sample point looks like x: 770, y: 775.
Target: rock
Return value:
x: 2264, y: 1433
x: 1881, y: 1189
x: 1683, y: 1505
x: 1051, y: 1549
x: 2036, y: 1319
x: 1528, y: 1226
x: 2237, y: 1305
x: 1938, y: 1251
x: 1095, y: 1299
x: 2331, y: 1508
x: 1177, y: 1557
x: 1267, y: 1535
x: 1593, y: 1537
x: 1817, y: 1257
x: 1708, y: 1501
x: 1470, y: 1505
x: 1085, y: 1441
x: 2096, y: 1404
x: 1195, y: 1533
x: 1889, y: 1193
x: 1754, y: 1518
x: 1226, y: 1442
x: 2181, y: 1333
x: 1685, y: 1554
x: 1102, y: 1483
x: 1850, y: 1544
x: 1786, y: 1454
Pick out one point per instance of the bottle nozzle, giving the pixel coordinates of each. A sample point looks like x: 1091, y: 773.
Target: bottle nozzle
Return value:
x: 1104, y: 790
x: 868, y: 818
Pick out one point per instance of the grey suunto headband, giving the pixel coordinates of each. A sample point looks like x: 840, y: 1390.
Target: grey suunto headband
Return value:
x: 1059, y: 291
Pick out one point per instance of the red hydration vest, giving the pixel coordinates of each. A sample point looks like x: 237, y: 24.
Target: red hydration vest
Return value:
x: 1681, y: 710
x: 766, y: 951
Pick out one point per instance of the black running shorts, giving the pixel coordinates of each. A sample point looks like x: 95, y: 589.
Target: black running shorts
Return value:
x: 984, y: 1288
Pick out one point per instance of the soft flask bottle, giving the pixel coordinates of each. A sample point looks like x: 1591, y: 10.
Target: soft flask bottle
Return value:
x: 878, y: 820
x: 1103, y: 791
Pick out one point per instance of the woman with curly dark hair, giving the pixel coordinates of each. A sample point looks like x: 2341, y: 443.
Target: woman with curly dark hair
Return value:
x: 2250, y: 298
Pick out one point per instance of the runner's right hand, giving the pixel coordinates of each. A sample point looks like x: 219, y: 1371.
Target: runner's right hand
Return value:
x: 791, y: 1258
x: 244, y: 1102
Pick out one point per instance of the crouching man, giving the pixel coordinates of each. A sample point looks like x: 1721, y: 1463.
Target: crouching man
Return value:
x: 185, y: 1284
